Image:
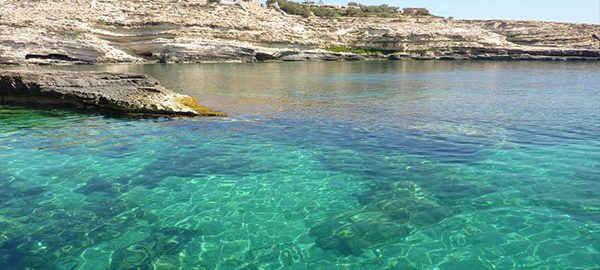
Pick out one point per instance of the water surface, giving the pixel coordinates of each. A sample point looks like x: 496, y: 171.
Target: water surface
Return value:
x: 364, y: 165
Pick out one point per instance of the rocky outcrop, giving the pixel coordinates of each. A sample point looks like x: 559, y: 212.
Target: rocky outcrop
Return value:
x: 96, y: 91
x: 484, y: 53
x: 139, y: 31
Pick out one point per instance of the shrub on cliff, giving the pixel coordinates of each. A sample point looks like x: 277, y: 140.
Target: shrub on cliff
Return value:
x: 324, y: 12
x: 416, y: 12
x: 374, y: 11
x: 357, y: 10
x: 291, y: 7
x: 379, y: 9
x: 354, y: 12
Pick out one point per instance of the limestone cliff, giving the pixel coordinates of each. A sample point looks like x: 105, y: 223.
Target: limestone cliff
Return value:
x: 110, y: 31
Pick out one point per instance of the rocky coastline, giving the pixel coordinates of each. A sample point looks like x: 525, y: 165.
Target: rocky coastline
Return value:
x: 125, y: 93
x: 66, y: 32
x: 139, y: 31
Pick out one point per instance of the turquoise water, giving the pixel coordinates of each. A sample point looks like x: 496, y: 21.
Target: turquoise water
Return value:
x: 366, y: 165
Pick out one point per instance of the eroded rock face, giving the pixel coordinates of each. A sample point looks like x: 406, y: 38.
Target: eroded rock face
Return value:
x: 71, y: 31
x: 96, y: 91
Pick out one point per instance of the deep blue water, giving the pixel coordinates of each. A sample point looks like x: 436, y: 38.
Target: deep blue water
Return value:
x: 322, y: 165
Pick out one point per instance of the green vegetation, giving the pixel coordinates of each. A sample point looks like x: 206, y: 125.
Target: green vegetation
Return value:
x: 416, y: 12
x: 325, y: 12
x: 352, y: 10
x: 291, y: 7
x: 102, y: 22
x: 381, y: 9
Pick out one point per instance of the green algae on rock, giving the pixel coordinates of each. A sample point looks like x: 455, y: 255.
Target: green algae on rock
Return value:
x: 97, y: 91
x: 200, y: 109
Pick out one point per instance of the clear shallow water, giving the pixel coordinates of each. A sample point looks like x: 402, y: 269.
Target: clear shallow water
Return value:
x: 370, y: 165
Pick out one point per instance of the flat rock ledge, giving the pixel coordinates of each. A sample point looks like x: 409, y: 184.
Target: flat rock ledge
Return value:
x: 97, y: 91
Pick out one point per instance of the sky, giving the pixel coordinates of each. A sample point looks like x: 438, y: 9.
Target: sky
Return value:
x: 580, y: 11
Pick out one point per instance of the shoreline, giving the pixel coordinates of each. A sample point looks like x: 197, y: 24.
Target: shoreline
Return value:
x: 56, y: 66
x: 399, y: 57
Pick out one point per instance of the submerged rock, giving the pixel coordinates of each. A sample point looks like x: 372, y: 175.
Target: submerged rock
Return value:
x: 96, y: 91
x: 60, y: 235
x: 162, y: 243
x: 391, y: 215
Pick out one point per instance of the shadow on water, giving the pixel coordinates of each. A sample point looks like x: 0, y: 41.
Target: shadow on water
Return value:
x: 220, y: 162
